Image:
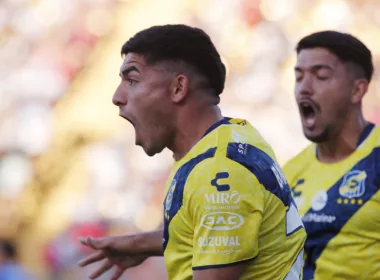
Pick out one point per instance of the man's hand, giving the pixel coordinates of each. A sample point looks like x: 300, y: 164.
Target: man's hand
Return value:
x: 113, y: 250
x: 122, y: 251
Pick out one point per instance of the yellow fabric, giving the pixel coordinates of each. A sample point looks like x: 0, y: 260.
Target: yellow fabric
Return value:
x: 228, y: 202
x: 340, y: 208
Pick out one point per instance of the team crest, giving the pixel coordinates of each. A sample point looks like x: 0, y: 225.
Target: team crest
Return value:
x: 169, y: 196
x: 353, y: 184
x: 319, y: 201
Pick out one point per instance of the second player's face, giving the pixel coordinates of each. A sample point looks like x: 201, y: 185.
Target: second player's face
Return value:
x: 322, y: 91
x: 143, y: 100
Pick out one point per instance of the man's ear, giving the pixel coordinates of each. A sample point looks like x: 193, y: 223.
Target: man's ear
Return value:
x: 179, y: 88
x: 359, y: 90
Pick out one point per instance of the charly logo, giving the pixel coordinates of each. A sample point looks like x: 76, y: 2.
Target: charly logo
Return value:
x: 169, y: 196
x: 295, y: 192
x: 299, y: 200
x: 319, y: 201
x: 216, y: 182
x: 353, y: 184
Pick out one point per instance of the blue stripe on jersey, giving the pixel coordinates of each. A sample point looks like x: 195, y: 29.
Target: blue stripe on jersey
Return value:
x: 221, y: 265
x: 366, y: 132
x: 174, y: 197
x: 263, y: 167
x: 323, y: 225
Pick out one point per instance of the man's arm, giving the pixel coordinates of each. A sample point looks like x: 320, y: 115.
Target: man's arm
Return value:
x: 121, y: 252
x: 147, y: 243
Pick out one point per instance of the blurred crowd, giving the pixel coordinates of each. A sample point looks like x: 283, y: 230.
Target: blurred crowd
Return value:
x: 68, y: 166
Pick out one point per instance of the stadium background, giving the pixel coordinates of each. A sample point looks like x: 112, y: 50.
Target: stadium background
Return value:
x: 68, y: 165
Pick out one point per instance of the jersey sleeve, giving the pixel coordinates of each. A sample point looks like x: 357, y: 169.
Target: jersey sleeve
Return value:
x: 225, y: 202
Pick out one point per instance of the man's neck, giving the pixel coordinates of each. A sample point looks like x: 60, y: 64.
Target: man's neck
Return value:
x: 343, y: 144
x: 192, y: 128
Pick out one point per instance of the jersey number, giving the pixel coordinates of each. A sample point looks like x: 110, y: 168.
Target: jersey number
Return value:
x: 293, y: 219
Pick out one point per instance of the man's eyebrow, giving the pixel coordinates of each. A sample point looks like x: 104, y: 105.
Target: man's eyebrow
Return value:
x: 126, y: 71
x: 313, y: 68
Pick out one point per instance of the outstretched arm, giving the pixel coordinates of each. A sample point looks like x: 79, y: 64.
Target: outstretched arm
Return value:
x: 122, y: 251
x: 149, y: 243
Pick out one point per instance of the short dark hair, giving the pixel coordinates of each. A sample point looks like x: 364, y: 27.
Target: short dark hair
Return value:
x: 345, y: 46
x: 180, y: 43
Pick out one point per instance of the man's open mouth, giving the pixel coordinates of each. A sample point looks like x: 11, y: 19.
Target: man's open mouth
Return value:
x: 308, y: 112
x: 126, y: 118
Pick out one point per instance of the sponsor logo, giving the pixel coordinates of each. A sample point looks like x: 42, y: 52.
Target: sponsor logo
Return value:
x: 279, y: 175
x: 353, y: 184
x: 312, y: 217
x: 222, y: 221
x: 222, y: 198
x: 218, y: 241
x: 319, y: 201
x: 222, y: 207
x: 220, y: 252
x: 297, y: 193
x: 243, y: 148
x: 169, y: 196
x: 219, y: 187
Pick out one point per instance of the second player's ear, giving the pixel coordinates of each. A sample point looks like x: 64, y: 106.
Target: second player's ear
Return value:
x: 180, y: 88
x: 359, y: 90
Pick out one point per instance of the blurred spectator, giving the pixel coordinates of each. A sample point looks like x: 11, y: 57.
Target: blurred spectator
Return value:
x: 10, y: 269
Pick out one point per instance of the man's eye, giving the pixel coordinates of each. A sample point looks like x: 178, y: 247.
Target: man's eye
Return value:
x: 131, y: 82
x: 322, y: 78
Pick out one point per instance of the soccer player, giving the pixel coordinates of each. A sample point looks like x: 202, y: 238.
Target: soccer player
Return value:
x: 228, y: 211
x: 336, y: 180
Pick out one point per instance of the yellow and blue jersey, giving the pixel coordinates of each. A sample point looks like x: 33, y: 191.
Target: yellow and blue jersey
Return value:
x: 340, y: 208
x: 228, y: 202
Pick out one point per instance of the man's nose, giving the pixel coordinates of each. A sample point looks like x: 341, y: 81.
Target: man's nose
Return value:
x: 305, y: 86
x: 119, y: 98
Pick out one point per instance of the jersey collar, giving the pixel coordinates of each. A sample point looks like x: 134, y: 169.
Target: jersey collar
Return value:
x: 225, y: 120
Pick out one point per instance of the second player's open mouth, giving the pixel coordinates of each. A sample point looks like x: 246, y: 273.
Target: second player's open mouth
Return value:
x: 308, y: 113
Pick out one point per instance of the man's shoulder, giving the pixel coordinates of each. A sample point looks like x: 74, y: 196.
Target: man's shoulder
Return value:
x: 300, y: 160
x: 235, y: 147
x: 242, y: 135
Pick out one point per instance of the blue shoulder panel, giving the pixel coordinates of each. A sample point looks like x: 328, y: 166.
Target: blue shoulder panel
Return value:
x: 263, y: 167
x: 174, y: 197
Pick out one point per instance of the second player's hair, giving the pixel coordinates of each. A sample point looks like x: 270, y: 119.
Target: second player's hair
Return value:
x: 345, y: 46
